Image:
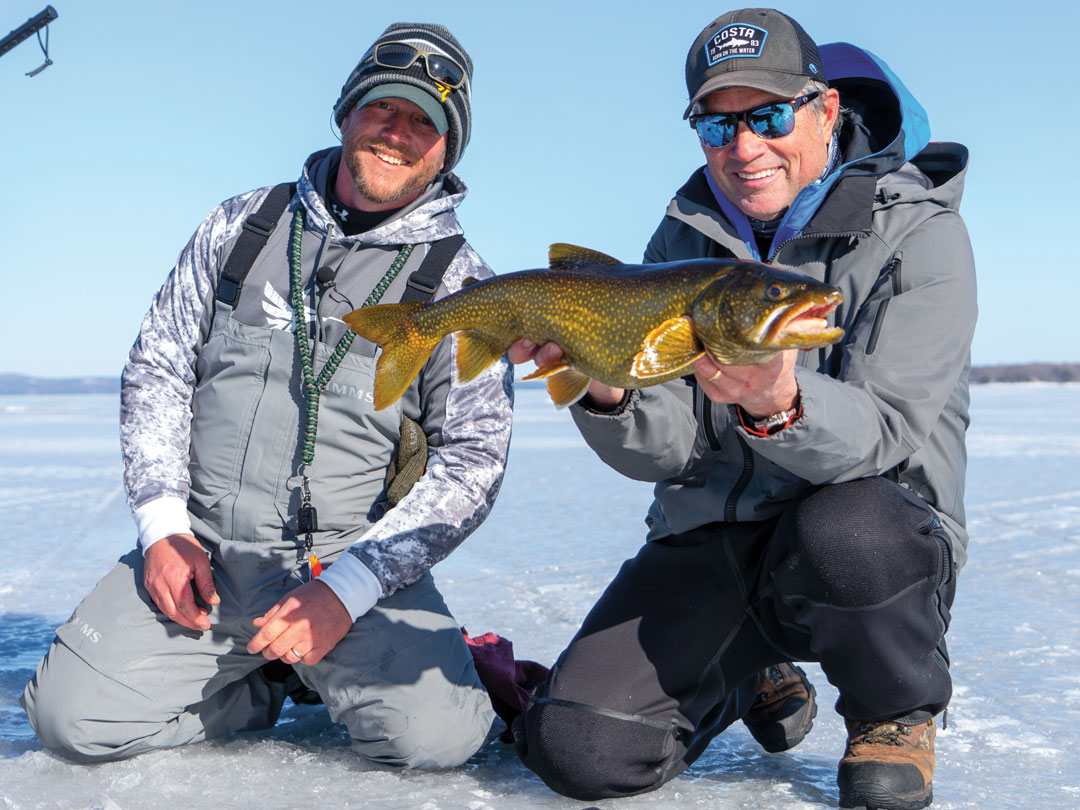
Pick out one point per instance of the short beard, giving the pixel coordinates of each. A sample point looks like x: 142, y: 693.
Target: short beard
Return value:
x: 418, y: 181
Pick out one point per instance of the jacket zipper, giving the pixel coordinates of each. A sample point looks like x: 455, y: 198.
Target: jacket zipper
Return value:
x: 837, y: 235
x: 743, y: 482
x: 891, y: 269
x: 748, y: 459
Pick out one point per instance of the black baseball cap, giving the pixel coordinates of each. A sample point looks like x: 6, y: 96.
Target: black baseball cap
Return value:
x: 753, y: 47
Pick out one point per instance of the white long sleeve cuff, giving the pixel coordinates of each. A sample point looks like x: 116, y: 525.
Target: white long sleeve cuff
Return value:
x: 160, y: 518
x: 353, y: 583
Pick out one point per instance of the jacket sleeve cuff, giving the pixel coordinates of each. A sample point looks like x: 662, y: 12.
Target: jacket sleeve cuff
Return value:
x: 613, y: 410
x: 160, y: 518
x: 353, y: 583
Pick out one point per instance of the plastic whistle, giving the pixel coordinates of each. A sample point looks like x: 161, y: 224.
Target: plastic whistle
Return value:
x: 315, y: 566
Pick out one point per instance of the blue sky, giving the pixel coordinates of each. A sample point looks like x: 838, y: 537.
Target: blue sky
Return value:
x: 152, y: 113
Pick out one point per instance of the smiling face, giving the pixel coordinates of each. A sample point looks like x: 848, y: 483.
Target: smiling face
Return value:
x: 393, y: 152
x: 762, y: 177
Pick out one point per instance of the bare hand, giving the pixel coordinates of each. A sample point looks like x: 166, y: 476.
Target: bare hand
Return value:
x: 523, y: 350
x: 303, y: 626
x: 169, y: 566
x: 761, y: 389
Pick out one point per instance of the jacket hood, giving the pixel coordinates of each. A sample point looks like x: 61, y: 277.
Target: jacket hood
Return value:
x: 884, y: 128
x: 887, y: 126
x: 429, y: 217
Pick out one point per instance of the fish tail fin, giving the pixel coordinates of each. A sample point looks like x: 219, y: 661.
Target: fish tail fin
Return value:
x: 475, y: 352
x: 405, y: 348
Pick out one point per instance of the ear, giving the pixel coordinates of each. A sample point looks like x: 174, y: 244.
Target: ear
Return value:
x: 832, y: 110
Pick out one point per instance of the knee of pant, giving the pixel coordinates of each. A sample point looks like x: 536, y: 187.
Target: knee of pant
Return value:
x: 586, y: 755
x: 58, y: 718
x: 410, y: 738
x: 861, y: 542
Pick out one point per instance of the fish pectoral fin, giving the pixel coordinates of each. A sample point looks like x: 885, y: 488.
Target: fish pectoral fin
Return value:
x: 562, y: 256
x: 669, y: 347
x: 544, y: 372
x: 475, y: 352
x: 567, y: 386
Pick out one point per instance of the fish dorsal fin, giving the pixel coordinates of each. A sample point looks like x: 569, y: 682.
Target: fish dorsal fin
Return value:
x: 468, y: 281
x: 567, y: 386
x: 562, y: 256
x: 475, y: 352
x: 669, y: 347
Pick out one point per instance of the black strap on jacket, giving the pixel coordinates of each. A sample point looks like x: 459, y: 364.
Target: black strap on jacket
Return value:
x: 257, y: 229
x: 421, y: 285
x: 428, y: 276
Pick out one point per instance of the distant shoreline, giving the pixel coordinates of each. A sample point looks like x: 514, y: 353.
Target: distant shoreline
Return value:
x: 21, y: 384
x: 1019, y: 372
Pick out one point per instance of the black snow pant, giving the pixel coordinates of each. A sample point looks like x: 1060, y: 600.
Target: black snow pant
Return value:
x: 855, y: 576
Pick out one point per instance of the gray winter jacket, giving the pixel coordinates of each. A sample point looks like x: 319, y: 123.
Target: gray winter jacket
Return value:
x: 211, y: 405
x: 891, y: 399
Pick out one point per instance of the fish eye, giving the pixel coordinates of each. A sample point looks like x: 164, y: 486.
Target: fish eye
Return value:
x: 775, y: 291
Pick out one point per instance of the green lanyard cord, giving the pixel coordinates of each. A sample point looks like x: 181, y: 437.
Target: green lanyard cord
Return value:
x: 310, y: 386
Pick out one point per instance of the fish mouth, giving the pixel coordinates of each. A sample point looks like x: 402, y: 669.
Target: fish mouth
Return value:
x: 805, y: 325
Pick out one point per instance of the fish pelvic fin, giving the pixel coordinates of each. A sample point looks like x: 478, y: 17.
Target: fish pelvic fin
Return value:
x: 669, y: 347
x: 404, y: 348
x: 562, y: 256
x: 567, y: 386
x: 544, y: 372
x: 475, y: 352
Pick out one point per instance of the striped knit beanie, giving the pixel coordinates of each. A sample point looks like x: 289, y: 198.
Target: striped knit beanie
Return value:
x: 428, y: 37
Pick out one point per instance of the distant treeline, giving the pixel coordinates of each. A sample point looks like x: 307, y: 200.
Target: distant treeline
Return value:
x: 1024, y: 372
x: 1027, y: 372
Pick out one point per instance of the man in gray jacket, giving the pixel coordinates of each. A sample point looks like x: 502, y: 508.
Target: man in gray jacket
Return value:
x: 254, y: 459
x: 809, y: 508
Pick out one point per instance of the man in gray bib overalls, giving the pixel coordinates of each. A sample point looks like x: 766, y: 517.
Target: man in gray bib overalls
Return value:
x: 254, y: 458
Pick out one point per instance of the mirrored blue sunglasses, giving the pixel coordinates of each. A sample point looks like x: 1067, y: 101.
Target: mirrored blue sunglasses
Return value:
x: 774, y: 120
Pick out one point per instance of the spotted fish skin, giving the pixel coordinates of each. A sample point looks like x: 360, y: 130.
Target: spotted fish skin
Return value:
x: 628, y: 326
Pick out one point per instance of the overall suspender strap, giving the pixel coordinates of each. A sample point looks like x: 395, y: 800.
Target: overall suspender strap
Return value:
x: 428, y: 276
x: 257, y: 229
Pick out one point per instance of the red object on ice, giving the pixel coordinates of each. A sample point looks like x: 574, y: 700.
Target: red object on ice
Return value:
x: 509, y: 682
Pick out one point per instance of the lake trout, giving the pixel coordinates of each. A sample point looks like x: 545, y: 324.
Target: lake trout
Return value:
x: 628, y: 326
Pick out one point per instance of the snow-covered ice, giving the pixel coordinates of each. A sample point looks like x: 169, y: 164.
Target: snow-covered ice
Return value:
x: 561, y: 527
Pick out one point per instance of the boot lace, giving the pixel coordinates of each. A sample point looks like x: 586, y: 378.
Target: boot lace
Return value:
x: 884, y: 734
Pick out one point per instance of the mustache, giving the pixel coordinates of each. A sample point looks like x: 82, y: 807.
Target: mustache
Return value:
x: 376, y: 143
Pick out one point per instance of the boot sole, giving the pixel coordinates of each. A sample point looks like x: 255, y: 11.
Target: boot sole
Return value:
x: 873, y: 796
x: 778, y: 743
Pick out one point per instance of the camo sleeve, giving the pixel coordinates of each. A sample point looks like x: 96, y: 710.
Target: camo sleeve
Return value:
x: 468, y: 429
x: 158, y: 379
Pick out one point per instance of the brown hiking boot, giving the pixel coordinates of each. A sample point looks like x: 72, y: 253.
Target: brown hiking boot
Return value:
x: 784, y: 709
x: 887, y: 766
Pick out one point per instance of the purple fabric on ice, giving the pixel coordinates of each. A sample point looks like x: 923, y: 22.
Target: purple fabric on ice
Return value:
x: 508, y: 682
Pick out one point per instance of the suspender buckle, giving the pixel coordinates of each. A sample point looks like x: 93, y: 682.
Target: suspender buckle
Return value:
x: 422, y: 286
x: 260, y: 226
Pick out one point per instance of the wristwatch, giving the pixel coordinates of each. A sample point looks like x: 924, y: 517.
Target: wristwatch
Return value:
x: 777, y: 420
